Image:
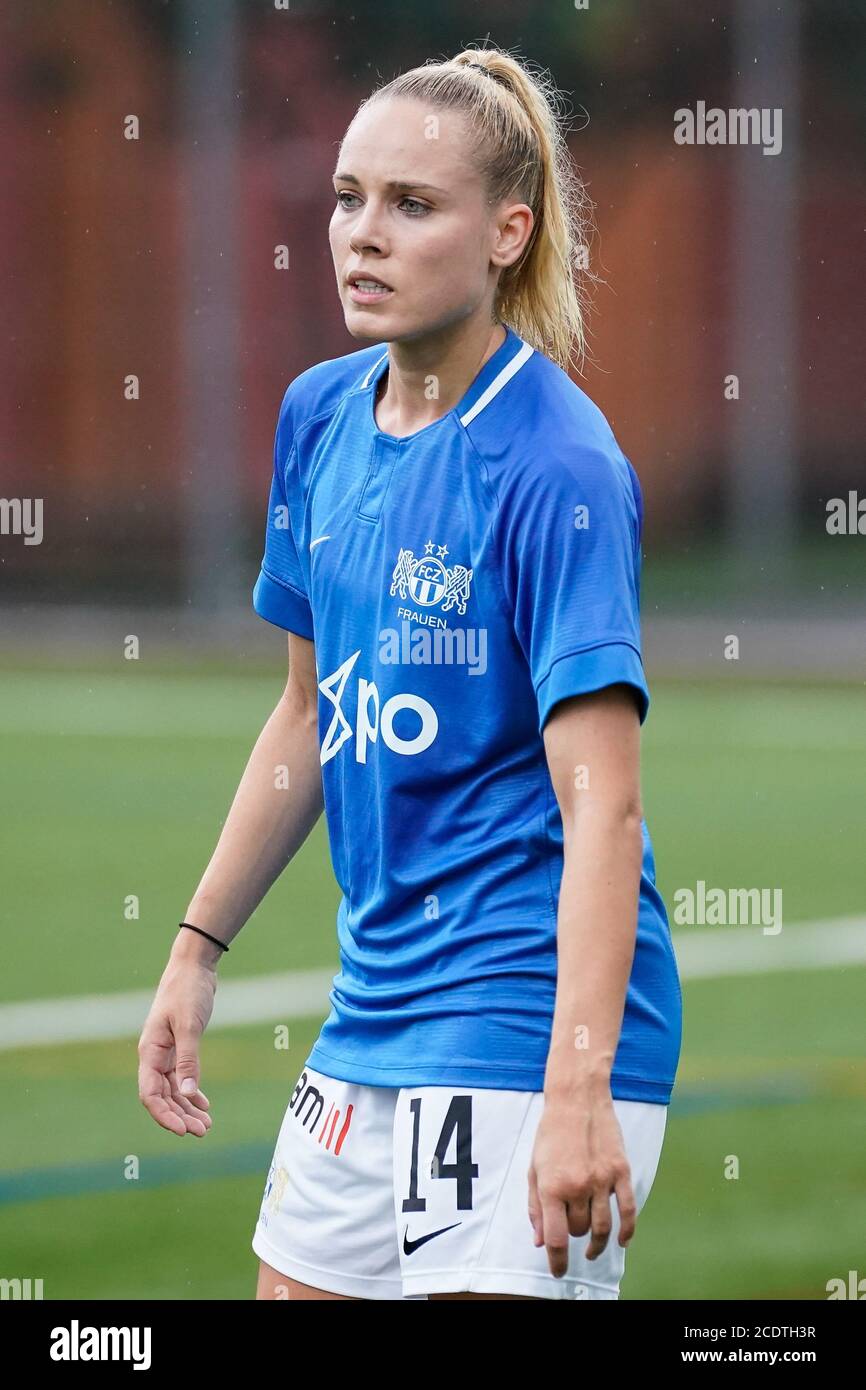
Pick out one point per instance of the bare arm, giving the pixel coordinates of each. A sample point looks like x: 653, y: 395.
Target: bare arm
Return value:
x: 602, y: 853
x: 277, y: 803
x: 579, y: 1157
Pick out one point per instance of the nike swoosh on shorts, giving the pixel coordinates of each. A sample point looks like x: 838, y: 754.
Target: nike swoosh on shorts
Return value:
x: 410, y: 1245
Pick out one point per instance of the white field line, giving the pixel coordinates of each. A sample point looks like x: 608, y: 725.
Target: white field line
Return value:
x: 88, y: 1017
x: 706, y: 952
x: 702, y: 953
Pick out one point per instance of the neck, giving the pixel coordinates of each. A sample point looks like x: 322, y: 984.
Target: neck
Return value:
x: 426, y: 377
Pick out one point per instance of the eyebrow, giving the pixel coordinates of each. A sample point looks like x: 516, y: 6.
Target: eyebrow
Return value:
x: 396, y: 184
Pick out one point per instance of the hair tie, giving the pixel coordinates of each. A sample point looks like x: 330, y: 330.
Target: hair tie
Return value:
x: 482, y: 68
x: 221, y: 944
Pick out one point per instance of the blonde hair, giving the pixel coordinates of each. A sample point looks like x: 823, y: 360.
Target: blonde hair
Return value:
x: 516, y: 117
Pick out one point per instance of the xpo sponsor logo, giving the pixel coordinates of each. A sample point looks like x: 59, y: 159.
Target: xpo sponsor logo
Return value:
x: 373, y: 719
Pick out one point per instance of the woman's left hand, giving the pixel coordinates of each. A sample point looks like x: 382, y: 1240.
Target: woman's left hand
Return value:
x: 578, y: 1160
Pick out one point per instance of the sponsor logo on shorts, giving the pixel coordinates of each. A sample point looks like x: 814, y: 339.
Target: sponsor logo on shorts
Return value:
x: 308, y: 1106
x: 274, y: 1188
x: 410, y: 1246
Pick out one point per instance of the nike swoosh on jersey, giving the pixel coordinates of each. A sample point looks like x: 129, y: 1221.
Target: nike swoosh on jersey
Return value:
x: 410, y: 1245
x: 319, y: 540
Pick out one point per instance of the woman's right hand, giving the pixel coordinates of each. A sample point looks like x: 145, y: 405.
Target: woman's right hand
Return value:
x: 169, y: 1043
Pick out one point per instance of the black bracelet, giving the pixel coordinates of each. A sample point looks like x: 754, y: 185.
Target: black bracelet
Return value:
x: 204, y: 933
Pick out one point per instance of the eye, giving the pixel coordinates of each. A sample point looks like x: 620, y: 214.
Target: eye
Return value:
x: 422, y: 208
x: 415, y: 207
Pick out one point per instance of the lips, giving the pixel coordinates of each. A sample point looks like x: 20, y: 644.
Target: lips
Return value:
x: 357, y: 275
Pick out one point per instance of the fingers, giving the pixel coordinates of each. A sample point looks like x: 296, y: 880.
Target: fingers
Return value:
x: 535, y: 1209
x: 600, y: 1218
x: 197, y: 1098
x: 626, y: 1206
x: 554, y: 1215
x: 554, y: 1219
x: 186, y: 1062
x: 199, y: 1121
x: 177, y: 1113
x: 155, y: 1096
x: 561, y: 1219
x: 158, y: 1091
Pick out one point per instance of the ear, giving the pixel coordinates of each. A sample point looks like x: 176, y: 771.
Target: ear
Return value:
x: 513, y: 230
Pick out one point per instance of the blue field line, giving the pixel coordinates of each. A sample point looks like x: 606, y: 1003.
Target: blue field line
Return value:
x: 156, y: 1170
x: 253, y: 1158
x: 792, y: 1088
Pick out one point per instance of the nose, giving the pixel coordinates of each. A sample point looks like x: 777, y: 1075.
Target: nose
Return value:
x: 366, y: 233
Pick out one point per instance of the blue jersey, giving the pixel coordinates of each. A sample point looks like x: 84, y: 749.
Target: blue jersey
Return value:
x: 458, y: 583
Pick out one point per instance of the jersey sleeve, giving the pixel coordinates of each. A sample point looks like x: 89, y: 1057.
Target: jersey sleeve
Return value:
x: 280, y: 593
x: 571, y: 565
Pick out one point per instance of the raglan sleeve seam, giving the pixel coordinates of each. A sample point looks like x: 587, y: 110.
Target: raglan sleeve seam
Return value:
x: 496, y: 511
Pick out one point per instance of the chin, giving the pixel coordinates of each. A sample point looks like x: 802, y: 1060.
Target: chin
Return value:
x: 367, y: 327
x: 366, y: 335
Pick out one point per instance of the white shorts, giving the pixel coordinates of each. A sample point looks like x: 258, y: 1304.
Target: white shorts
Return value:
x: 386, y: 1192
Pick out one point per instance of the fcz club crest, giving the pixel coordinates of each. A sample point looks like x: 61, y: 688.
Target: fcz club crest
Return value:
x: 428, y: 581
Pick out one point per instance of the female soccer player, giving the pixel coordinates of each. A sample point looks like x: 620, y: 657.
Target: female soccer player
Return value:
x: 453, y: 546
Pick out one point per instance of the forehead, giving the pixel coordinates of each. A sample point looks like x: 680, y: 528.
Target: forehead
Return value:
x: 409, y: 140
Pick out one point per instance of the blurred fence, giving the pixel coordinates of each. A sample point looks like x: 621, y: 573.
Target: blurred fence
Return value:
x: 112, y: 271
